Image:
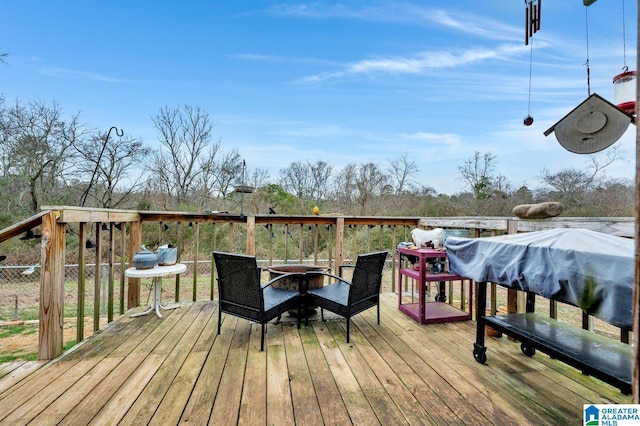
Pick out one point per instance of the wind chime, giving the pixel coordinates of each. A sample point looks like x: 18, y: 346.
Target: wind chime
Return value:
x: 531, y: 26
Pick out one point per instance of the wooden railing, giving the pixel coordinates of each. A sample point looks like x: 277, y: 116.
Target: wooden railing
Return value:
x: 116, y: 235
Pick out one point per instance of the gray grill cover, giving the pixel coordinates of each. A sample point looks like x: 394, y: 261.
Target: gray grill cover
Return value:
x: 588, y: 269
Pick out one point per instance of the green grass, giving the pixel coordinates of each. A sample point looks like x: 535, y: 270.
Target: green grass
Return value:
x: 18, y: 329
x: 18, y: 356
x: 23, y: 354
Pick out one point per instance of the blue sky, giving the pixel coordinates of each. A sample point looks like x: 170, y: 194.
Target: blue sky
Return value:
x: 342, y: 82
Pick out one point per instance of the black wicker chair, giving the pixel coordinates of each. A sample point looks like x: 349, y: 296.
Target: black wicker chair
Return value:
x: 242, y: 295
x: 361, y: 293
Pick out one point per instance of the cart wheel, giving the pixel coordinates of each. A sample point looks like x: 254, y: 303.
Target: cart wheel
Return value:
x: 480, y: 356
x: 440, y: 298
x: 528, y: 350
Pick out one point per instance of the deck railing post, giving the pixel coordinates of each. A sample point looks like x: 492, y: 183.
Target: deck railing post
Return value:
x: 52, y: 256
x: 135, y: 241
x: 339, y: 244
x: 97, y: 282
x: 251, y: 235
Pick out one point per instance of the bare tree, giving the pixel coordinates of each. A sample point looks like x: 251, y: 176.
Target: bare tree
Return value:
x: 296, y: 179
x: 370, y: 182
x: 570, y: 185
x: 185, y: 134
x: 320, y: 177
x: 208, y: 166
x: 477, y: 174
x: 228, y: 172
x: 259, y: 178
x: 307, y: 180
x: 401, y: 172
x: 118, y: 169
x: 344, y: 187
x: 37, y: 142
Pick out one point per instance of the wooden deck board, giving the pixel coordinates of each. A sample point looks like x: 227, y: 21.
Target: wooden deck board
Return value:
x: 279, y: 405
x: 227, y: 403
x: 330, y: 401
x: 255, y: 383
x: 303, y: 396
x: 353, y: 397
x: 203, y: 395
x: 179, y: 370
x: 381, y: 402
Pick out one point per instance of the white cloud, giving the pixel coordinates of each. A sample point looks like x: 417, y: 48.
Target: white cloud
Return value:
x: 84, y: 75
x: 418, y: 63
x: 450, y: 139
x: 481, y: 27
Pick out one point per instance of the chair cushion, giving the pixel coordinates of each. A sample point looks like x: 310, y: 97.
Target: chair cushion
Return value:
x: 337, y: 292
x: 276, y: 296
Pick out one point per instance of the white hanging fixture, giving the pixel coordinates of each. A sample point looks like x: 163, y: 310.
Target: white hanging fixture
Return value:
x: 592, y: 126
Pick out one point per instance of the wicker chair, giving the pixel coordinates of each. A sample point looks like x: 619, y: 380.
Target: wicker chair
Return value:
x: 350, y: 298
x: 241, y: 294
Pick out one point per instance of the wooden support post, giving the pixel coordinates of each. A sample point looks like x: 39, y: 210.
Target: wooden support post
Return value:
x: 339, y: 244
x: 251, y: 235
x: 301, y: 243
x: 315, y: 244
x: 176, y: 293
x: 286, y: 243
x: 212, y: 283
x: 112, y: 262
x: 135, y: 241
x: 82, y: 269
x: 196, y: 250
x: 97, y: 278
x: 52, y: 257
x: 123, y: 234
x: 394, y: 258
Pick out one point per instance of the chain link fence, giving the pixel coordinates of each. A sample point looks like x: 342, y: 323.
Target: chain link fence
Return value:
x: 20, y: 288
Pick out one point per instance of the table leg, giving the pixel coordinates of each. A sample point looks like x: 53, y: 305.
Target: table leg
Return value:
x: 479, y: 349
x: 159, y: 300
x: 157, y: 294
x: 421, y: 289
x: 151, y: 307
x: 156, y: 300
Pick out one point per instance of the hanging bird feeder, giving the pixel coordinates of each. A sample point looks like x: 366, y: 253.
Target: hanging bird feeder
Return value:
x: 243, y: 188
x: 624, y: 84
x: 624, y: 91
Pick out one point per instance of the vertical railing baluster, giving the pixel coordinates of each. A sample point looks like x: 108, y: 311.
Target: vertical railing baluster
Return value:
x: 123, y: 265
x: 112, y: 258
x: 97, y: 278
x: 196, y: 249
x: 82, y: 259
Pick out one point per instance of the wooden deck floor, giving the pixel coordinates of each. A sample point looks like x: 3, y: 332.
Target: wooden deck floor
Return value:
x: 176, y: 370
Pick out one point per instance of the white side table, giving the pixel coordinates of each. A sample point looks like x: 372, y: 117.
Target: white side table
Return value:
x: 157, y: 273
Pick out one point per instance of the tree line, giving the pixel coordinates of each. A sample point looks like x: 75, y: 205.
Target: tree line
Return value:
x: 49, y: 158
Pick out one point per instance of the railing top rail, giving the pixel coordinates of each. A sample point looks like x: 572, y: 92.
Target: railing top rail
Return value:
x: 23, y: 226
x: 620, y: 226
